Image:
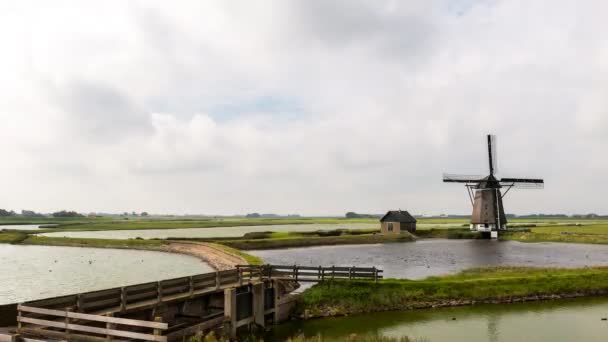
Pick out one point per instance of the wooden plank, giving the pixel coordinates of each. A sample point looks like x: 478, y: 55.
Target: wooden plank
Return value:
x: 106, y: 302
x: 94, y: 330
x: 60, y: 336
x: 148, y: 295
x: 102, y: 293
x: 171, y: 282
x: 71, y: 299
x: 133, y: 288
x: 98, y: 318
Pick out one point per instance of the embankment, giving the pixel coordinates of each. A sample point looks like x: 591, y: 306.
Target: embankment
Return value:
x: 475, y: 286
x: 307, y: 241
x: 217, y: 256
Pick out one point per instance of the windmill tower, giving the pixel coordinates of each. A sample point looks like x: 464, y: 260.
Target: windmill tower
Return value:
x: 486, y: 196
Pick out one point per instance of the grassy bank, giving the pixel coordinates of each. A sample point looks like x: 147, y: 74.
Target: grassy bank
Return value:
x: 251, y: 259
x: 306, y: 241
x: 12, y: 237
x: 97, y: 243
x: 481, y: 285
x: 575, y: 233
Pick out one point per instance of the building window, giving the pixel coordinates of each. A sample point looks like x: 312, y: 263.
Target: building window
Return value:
x: 390, y: 227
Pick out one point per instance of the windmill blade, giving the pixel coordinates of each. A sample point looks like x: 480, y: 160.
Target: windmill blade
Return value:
x: 492, y: 154
x: 452, y: 178
x: 523, y: 183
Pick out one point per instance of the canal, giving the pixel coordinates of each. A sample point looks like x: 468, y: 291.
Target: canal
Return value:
x: 35, y: 272
x: 423, y: 258
x: 207, y: 232
x: 564, y: 320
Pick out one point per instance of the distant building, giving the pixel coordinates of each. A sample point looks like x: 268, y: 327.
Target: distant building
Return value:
x: 397, y: 221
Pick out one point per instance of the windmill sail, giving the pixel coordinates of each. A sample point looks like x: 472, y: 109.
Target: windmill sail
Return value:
x: 492, y: 154
x: 523, y: 183
x: 453, y: 178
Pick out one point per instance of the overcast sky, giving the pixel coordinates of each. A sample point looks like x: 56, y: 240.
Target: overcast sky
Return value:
x: 310, y: 107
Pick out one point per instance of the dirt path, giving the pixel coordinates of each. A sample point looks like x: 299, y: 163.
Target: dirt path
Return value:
x: 215, y: 257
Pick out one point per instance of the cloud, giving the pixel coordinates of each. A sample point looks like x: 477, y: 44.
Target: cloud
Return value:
x: 299, y: 106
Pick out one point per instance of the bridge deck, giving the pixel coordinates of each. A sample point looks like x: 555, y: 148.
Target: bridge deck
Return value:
x: 88, y: 313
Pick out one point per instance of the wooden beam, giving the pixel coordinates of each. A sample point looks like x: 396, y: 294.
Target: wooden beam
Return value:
x: 98, y: 318
x: 93, y: 330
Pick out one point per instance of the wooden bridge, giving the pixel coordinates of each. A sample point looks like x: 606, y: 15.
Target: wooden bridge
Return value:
x: 173, y: 309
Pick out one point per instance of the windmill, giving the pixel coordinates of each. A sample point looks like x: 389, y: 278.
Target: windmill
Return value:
x: 486, y: 196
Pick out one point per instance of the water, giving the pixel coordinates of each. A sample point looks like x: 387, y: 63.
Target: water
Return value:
x: 21, y: 227
x: 425, y: 258
x: 564, y: 320
x: 208, y: 232
x: 35, y: 272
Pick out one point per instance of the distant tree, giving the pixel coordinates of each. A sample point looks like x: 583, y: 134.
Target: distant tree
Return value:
x: 125, y: 214
x: 6, y: 213
x: 352, y: 214
x: 64, y: 213
x: 143, y: 213
x: 253, y: 215
x: 134, y: 214
x: 30, y: 213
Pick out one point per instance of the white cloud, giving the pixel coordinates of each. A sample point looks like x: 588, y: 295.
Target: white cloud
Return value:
x: 314, y: 107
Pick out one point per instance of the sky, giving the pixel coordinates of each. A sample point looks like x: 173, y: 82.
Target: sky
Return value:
x: 310, y: 107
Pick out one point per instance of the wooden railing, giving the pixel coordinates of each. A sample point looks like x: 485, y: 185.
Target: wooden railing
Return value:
x: 307, y: 273
x: 90, y: 314
x: 69, y: 325
x: 124, y: 298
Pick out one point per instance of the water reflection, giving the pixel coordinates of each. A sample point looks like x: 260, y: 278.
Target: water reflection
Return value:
x: 565, y: 320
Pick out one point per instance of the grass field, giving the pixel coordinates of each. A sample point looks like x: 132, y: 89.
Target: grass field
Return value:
x: 99, y: 243
x: 586, y: 233
x: 305, y: 241
x: 502, y: 284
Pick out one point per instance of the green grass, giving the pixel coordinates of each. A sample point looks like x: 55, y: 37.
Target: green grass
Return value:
x: 100, y: 243
x: 251, y: 259
x: 12, y: 237
x: 500, y: 284
x: 587, y: 233
x: 137, y: 224
x: 305, y: 241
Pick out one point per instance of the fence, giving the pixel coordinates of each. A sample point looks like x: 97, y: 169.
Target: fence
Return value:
x: 68, y: 325
x: 307, y: 273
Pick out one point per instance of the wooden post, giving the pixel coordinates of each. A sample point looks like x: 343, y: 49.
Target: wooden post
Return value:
x: 217, y: 280
x: 123, y: 299
x: 350, y: 273
x: 67, y: 321
x: 79, y: 306
x: 319, y: 274
x: 375, y: 275
x: 275, y: 293
x: 295, y: 269
x: 110, y: 326
x: 159, y: 291
x: 323, y: 274
x: 158, y: 332
x: 230, y: 311
x: 333, y: 271
x: 258, y: 303
x: 191, y: 285
x: 19, y: 326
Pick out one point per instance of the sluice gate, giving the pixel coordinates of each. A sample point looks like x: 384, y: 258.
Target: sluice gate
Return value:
x: 174, y: 309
